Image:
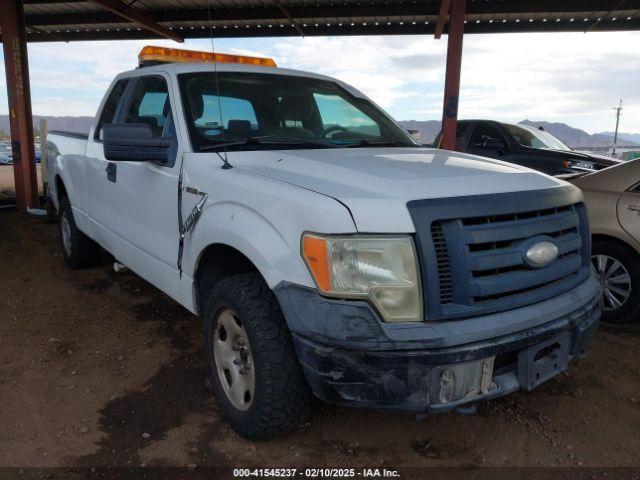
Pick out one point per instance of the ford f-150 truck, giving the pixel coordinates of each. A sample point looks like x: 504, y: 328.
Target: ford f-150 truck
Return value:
x: 326, y: 251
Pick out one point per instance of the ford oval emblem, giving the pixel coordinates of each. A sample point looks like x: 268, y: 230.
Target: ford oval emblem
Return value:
x: 541, y: 254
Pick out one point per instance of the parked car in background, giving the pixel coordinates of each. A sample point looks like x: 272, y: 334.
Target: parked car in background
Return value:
x: 6, y: 154
x: 524, y: 145
x: 613, y: 201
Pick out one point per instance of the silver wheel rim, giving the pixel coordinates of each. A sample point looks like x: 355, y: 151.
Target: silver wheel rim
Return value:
x: 66, y: 235
x: 614, y: 280
x: 234, y: 363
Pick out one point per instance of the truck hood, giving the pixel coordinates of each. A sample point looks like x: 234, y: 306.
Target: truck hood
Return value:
x: 376, y: 183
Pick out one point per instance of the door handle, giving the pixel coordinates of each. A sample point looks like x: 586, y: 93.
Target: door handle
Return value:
x: 111, y: 171
x: 634, y: 208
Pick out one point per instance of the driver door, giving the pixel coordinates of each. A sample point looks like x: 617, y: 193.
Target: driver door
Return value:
x: 136, y: 203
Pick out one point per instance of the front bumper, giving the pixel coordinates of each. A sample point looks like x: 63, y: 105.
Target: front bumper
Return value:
x: 391, y: 377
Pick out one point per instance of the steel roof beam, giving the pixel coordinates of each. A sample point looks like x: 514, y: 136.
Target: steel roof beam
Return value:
x: 138, y: 17
x: 443, y: 17
x: 618, y: 6
x: 455, y: 11
x: 19, y: 98
x: 292, y: 22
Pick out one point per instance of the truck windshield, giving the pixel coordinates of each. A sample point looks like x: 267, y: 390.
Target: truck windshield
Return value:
x: 264, y: 111
x: 536, y: 138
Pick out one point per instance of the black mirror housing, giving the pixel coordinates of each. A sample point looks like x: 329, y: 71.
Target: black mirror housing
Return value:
x: 134, y: 142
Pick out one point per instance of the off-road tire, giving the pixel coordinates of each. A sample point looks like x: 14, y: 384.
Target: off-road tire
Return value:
x: 630, y: 310
x: 282, y: 399
x: 82, y: 252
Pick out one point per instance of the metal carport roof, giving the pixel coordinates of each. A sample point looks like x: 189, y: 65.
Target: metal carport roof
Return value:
x: 53, y: 20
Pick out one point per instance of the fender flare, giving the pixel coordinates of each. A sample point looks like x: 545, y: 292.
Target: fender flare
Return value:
x: 240, y: 227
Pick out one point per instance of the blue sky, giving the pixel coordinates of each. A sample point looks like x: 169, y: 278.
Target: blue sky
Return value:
x: 572, y: 77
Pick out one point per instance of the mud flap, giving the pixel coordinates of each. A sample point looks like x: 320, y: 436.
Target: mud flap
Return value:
x: 539, y: 363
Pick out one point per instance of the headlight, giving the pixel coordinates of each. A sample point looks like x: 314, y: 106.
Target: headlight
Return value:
x: 382, y: 270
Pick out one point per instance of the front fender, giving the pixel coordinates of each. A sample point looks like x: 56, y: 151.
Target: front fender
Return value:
x: 250, y: 233
x: 261, y: 217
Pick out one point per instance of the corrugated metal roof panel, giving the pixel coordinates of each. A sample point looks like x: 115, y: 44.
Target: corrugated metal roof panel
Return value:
x: 78, y: 20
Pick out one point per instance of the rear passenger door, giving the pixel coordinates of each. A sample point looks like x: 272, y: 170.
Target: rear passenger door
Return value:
x: 136, y: 203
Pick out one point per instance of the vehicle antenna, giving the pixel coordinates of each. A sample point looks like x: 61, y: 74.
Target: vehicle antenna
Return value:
x: 618, y: 110
x: 225, y: 160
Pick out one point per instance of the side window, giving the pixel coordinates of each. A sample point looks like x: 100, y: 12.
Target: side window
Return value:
x: 482, y: 131
x: 338, y: 116
x: 150, y: 104
x: 110, y: 107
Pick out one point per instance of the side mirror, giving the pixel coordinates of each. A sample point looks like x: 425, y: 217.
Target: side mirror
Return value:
x: 495, y: 144
x: 134, y: 142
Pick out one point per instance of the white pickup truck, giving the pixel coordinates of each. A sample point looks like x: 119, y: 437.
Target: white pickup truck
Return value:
x: 326, y: 252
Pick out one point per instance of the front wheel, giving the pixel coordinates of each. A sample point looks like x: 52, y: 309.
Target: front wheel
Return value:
x: 256, y: 378
x: 618, y: 270
x: 78, y: 249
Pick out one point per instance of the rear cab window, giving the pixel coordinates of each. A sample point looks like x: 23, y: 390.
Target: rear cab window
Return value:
x: 234, y: 115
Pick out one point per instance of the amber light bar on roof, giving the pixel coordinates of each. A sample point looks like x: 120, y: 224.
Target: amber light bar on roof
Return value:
x: 151, y: 55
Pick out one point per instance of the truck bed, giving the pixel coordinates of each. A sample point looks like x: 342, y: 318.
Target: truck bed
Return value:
x: 68, y: 143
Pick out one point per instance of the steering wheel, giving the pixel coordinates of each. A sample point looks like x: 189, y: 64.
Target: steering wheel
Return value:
x: 333, y: 129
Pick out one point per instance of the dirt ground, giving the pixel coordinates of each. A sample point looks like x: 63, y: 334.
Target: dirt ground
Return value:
x: 101, y: 369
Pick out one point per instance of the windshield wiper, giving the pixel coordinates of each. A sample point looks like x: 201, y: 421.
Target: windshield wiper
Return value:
x: 380, y: 142
x: 263, y: 140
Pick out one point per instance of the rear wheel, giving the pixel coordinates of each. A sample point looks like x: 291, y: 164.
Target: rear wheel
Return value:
x: 256, y: 378
x: 78, y: 249
x: 618, y: 269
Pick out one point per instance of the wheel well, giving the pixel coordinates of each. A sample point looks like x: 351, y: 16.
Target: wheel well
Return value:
x: 61, y: 190
x: 608, y: 238
x: 217, y: 262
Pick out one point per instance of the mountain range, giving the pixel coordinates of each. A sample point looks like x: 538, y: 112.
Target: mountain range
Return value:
x: 625, y: 137
x: 574, y: 137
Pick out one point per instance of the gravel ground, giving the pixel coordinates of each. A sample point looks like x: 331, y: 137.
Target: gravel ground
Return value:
x: 101, y: 369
